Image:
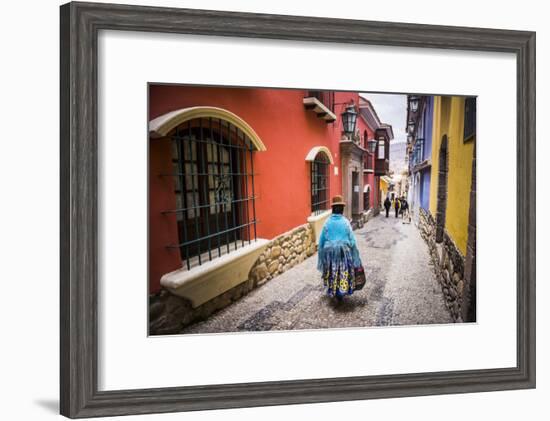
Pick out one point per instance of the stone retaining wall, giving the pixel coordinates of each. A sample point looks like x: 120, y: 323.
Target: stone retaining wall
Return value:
x: 169, y: 314
x: 284, y: 252
x: 448, y: 263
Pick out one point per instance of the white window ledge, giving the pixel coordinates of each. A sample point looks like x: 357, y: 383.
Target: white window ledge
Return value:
x: 320, y: 109
x: 317, y: 222
x: 207, y: 281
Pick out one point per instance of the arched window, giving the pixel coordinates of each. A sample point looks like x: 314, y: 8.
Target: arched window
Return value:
x: 320, y: 159
x: 320, y: 183
x: 213, y: 167
x: 443, y: 170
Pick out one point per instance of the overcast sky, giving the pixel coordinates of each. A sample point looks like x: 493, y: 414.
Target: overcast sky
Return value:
x: 392, y: 109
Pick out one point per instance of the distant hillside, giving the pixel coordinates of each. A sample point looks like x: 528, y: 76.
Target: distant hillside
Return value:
x: 397, y: 157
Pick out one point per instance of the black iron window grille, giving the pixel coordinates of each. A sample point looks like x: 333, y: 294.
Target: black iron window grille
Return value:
x: 213, y: 169
x: 418, y: 151
x: 320, y: 184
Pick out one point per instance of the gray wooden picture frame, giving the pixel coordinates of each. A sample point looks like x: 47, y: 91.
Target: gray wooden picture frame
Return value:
x: 80, y: 23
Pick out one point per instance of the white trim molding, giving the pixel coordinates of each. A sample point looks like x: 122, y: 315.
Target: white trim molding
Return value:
x: 318, y: 149
x: 319, y: 108
x: 202, y: 283
x: 162, y: 125
x: 317, y: 222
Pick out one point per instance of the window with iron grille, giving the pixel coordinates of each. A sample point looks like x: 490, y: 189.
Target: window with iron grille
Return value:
x: 419, y: 151
x: 469, y: 118
x: 320, y: 184
x: 213, y: 167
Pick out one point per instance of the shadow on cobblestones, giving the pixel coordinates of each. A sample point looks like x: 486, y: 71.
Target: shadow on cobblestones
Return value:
x: 385, y: 312
x: 260, y: 320
x: 348, y: 304
x: 401, y: 289
x: 384, y: 237
x: 375, y: 286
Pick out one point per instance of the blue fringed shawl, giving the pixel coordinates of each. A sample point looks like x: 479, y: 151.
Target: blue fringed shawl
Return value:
x: 337, y: 243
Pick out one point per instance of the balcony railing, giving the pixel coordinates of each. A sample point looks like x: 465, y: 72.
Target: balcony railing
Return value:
x: 325, y: 97
x: 418, y: 152
x: 368, y: 164
x: 382, y: 167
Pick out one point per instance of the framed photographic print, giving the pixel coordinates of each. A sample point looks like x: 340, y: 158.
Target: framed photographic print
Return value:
x: 265, y: 209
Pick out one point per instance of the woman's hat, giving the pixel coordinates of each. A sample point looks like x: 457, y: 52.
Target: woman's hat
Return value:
x: 338, y: 200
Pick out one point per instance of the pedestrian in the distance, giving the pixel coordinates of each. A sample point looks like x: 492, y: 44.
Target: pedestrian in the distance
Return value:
x: 405, y: 209
x: 338, y: 256
x: 387, y: 206
x: 396, y: 204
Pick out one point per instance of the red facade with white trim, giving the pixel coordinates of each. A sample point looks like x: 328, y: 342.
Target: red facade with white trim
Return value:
x: 282, y: 181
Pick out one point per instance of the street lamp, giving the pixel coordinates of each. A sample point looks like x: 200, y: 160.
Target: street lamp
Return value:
x: 413, y: 103
x: 371, y: 145
x: 411, y: 127
x: 349, y: 119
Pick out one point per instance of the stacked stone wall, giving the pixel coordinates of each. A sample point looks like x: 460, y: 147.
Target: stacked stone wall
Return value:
x: 448, y: 264
x: 169, y: 314
x: 283, y: 253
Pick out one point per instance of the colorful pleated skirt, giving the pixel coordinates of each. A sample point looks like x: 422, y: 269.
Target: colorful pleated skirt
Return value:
x: 338, y: 270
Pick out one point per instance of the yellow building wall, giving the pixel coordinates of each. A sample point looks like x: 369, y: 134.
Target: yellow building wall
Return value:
x: 449, y: 120
x: 384, y: 189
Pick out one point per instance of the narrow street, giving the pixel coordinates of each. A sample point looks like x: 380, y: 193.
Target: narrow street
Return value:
x: 401, y: 289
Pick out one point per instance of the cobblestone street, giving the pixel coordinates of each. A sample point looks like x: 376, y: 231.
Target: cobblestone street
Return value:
x: 401, y: 289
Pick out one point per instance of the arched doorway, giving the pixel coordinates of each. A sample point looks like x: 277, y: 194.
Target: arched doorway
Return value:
x: 443, y: 170
x: 366, y: 198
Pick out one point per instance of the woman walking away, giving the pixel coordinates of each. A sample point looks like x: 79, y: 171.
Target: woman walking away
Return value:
x: 396, y: 206
x: 338, y: 254
x: 387, y: 205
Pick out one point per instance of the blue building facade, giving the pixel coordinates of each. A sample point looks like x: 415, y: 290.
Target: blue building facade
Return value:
x: 425, y: 178
x: 420, y: 127
x: 427, y: 127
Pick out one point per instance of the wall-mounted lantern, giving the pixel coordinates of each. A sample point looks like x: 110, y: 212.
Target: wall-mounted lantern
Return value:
x: 413, y: 103
x: 371, y: 146
x: 349, y: 119
x: 410, y: 127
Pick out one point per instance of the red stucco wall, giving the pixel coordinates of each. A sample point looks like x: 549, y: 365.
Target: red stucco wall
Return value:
x: 282, y: 183
x: 162, y: 227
